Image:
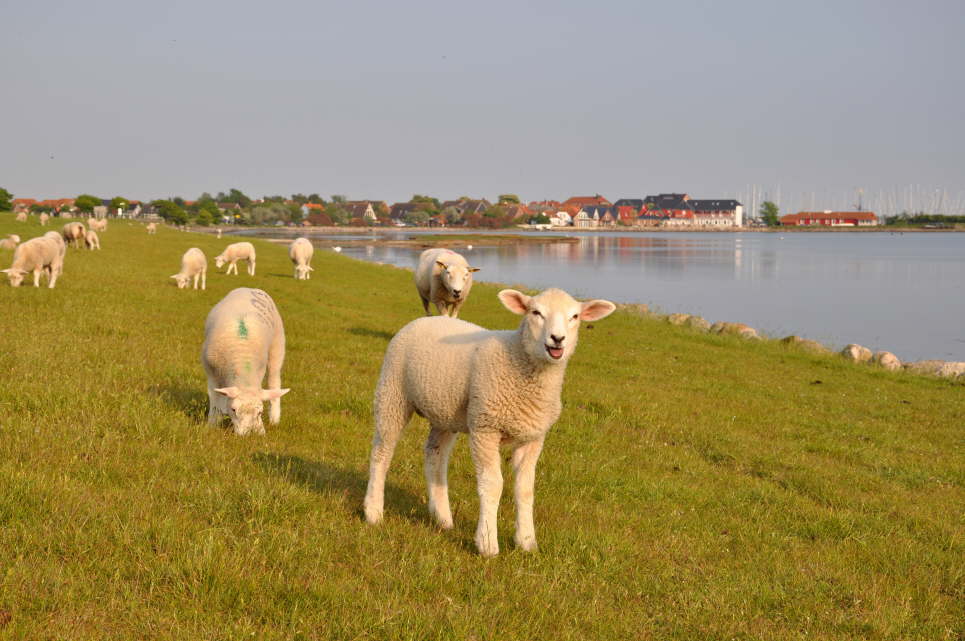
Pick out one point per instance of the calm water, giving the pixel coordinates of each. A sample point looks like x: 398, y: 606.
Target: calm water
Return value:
x: 900, y: 292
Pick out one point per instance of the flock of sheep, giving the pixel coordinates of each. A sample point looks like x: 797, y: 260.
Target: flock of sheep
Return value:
x: 499, y: 387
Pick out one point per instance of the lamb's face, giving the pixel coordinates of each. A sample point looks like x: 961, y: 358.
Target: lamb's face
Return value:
x: 245, y: 412
x: 219, y: 261
x: 551, y: 321
x: 15, y: 276
x: 182, y: 281
x: 302, y: 271
x: 456, y: 278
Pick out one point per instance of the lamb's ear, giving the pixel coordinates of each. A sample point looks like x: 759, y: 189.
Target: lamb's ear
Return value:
x: 310, y: 268
x: 175, y: 277
x: 442, y: 264
x: 514, y: 301
x: 230, y: 392
x: 272, y: 394
x: 474, y: 269
x: 594, y: 310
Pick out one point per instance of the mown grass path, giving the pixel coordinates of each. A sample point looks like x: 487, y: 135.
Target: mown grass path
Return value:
x: 696, y: 486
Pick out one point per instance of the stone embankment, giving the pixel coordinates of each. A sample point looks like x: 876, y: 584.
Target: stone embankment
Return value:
x: 853, y: 352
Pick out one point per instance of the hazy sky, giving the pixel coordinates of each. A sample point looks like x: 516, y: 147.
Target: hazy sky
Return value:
x: 544, y: 99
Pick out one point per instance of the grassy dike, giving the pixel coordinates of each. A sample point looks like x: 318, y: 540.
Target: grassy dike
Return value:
x: 695, y: 487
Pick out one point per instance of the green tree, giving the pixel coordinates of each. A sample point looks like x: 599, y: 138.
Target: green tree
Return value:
x: 118, y: 202
x: 540, y: 219
x: 207, y: 212
x: 5, y: 198
x: 338, y: 198
x: 315, y: 199
x: 427, y: 204
x: 86, y: 203
x: 417, y: 218
x: 511, y: 199
x: 769, y: 213
x: 234, y: 196
x: 453, y: 215
x: 169, y: 212
x: 338, y: 215
x: 204, y: 218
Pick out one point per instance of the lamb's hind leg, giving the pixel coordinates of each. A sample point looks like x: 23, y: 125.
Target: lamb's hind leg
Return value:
x: 392, y: 412
x: 438, y: 447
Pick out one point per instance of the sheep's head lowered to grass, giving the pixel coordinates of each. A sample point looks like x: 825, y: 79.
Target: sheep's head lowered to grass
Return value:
x: 456, y: 277
x: 15, y: 276
x: 551, y: 321
x: 245, y: 406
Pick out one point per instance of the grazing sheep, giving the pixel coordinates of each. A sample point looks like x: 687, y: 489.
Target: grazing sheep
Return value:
x: 498, y: 386
x: 66, y: 215
x: 40, y: 255
x: 235, y: 252
x: 243, y: 337
x: 151, y: 228
x: 443, y: 278
x: 44, y: 217
x: 219, y: 232
x: 194, y: 265
x: 74, y: 234
x: 91, y: 240
x: 301, y: 252
x: 22, y: 217
x: 96, y: 224
x: 10, y: 242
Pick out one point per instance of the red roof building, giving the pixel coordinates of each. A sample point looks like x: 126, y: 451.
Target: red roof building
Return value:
x: 587, y: 201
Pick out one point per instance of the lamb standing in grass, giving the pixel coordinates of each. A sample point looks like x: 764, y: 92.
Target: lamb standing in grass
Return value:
x: 43, y: 219
x: 443, y: 278
x: 301, y: 252
x: 38, y: 255
x: 498, y: 386
x: 91, y: 240
x: 74, y: 234
x: 235, y: 252
x: 97, y: 224
x: 151, y: 228
x: 22, y: 217
x: 244, y: 337
x: 194, y: 265
x: 10, y: 242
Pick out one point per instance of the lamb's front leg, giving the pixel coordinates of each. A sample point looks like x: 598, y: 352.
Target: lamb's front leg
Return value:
x: 524, y: 477
x: 484, y: 448
x: 214, y: 410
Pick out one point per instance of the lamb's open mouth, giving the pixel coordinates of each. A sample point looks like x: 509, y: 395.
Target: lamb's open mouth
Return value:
x: 555, y: 353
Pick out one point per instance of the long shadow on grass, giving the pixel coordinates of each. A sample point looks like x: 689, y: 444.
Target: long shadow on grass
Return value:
x: 370, y: 333
x: 190, y: 401
x: 327, y: 479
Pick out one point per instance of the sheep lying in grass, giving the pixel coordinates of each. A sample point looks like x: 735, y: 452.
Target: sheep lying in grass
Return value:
x: 235, y: 252
x: 91, y: 240
x: 43, y: 219
x: 443, y: 278
x: 10, y: 242
x: 22, y: 217
x: 151, y: 228
x: 38, y: 255
x: 74, y: 233
x: 194, y: 265
x: 499, y: 386
x: 244, y: 337
x: 301, y: 252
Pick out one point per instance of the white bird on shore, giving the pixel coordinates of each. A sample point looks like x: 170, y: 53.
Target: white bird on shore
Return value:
x: 338, y: 249
x: 469, y: 247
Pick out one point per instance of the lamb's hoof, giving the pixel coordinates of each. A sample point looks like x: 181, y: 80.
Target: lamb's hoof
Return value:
x: 373, y: 516
x: 487, y: 549
x: 527, y: 544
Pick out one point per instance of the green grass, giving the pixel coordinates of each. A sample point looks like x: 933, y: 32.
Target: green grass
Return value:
x: 695, y: 487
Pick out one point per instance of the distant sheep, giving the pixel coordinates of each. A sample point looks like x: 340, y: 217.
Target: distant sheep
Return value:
x: 502, y: 387
x: 243, y: 338
x: 43, y: 219
x: 10, y: 242
x: 235, y: 252
x: 301, y: 252
x: 151, y: 228
x: 38, y: 255
x: 194, y: 265
x: 22, y: 217
x: 97, y: 224
x: 66, y: 215
x: 74, y: 233
x: 91, y: 240
x: 443, y: 278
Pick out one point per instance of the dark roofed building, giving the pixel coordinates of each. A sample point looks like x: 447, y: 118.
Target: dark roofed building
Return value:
x: 636, y: 203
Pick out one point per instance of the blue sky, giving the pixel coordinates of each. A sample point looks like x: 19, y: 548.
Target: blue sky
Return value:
x: 543, y: 99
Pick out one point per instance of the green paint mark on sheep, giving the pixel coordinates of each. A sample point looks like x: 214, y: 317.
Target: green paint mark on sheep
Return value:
x: 242, y: 328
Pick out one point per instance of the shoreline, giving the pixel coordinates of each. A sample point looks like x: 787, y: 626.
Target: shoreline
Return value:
x: 229, y: 229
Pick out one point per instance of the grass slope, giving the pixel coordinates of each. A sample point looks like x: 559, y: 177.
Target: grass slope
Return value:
x: 696, y: 486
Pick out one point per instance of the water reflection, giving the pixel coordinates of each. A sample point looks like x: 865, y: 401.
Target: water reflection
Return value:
x: 903, y: 293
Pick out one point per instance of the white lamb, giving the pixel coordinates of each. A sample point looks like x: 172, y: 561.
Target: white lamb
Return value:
x: 97, y: 224
x: 243, y: 337
x: 66, y: 215
x: 44, y: 217
x: 10, y: 242
x: 235, y: 252
x: 22, y: 217
x: 443, y: 278
x: 151, y: 228
x: 194, y: 265
x: 91, y: 240
x: 301, y: 252
x: 38, y: 255
x: 498, y: 386
x: 74, y: 234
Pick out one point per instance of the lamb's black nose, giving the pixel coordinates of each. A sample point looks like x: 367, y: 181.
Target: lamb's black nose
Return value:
x: 456, y: 292
x: 557, y: 339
